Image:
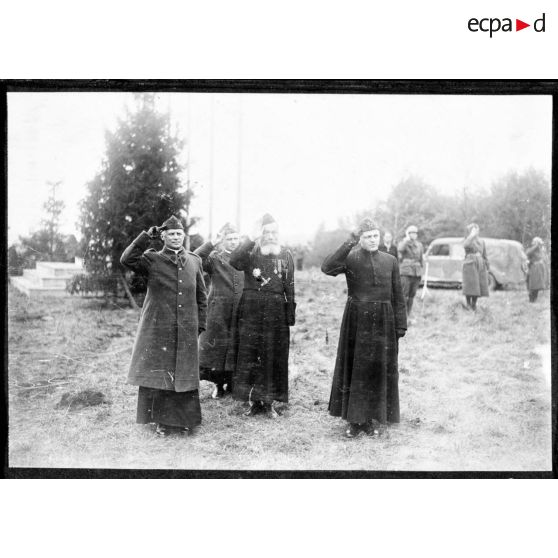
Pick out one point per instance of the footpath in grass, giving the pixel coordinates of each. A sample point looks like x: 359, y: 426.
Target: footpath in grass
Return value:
x: 474, y: 390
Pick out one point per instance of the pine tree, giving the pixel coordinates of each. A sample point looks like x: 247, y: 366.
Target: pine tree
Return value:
x: 139, y: 185
x: 47, y: 243
x: 51, y: 224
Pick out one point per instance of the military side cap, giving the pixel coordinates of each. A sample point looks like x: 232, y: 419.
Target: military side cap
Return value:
x: 228, y: 228
x: 172, y: 223
x: 267, y: 219
x: 368, y: 225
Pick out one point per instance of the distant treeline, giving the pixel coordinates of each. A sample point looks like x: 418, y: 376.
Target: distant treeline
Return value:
x: 517, y: 207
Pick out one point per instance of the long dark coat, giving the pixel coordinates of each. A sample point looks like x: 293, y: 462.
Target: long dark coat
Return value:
x: 366, y: 379
x: 475, y: 268
x: 537, y: 275
x: 266, y: 309
x: 217, y: 343
x: 165, y: 353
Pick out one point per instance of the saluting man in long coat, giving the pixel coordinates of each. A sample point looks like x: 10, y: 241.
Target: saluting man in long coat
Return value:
x: 217, y: 343
x: 537, y: 275
x: 266, y: 311
x: 365, y: 385
x: 165, y: 355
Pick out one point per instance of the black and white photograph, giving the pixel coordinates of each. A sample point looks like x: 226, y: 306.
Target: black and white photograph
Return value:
x: 279, y: 277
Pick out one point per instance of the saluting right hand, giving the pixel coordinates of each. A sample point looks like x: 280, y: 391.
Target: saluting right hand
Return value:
x: 218, y: 238
x: 355, y: 235
x: 154, y: 232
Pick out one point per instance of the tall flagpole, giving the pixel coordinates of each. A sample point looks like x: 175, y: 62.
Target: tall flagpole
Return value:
x: 188, y: 171
x: 239, y: 177
x: 211, y: 162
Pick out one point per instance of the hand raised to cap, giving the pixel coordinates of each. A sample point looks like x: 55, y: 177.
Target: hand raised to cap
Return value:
x: 218, y: 238
x: 154, y: 232
x: 354, y: 235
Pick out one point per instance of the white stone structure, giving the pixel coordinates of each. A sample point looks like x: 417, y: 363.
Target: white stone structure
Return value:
x: 48, y: 278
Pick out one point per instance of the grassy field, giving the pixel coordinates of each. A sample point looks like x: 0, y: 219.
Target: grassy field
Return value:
x: 474, y: 390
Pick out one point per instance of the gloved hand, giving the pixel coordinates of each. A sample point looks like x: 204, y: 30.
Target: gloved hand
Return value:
x: 400, y: 333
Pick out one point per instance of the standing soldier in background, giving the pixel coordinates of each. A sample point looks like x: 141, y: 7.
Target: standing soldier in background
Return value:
x: 537, y: 274
x: 410, y: 265
x: 365, y: 385
x: 266, y: 311
x: 475, y: 267
x: 165, y: 355
x: 387, y: 245
x: 217, y: 343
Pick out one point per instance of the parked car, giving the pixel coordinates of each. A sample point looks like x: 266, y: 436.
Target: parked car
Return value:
x: 506, y: 258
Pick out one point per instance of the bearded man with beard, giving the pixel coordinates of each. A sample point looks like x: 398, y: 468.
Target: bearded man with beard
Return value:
x: 265, y: 313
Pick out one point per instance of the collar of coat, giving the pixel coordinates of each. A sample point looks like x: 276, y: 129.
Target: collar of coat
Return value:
x: 172, y: 254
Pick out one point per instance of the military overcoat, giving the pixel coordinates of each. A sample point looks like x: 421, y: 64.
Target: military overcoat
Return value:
x: 217, y: 343
x: 537, y: 276
x: 475, y: 268
x: 165, y: 353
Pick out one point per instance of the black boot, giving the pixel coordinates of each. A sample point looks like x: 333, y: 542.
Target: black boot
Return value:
x: 271, y: 412
x: 354, y: 430
x: 218, y: 392
x: 256, y: 408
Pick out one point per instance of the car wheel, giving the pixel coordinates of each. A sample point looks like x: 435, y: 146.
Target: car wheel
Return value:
x: 492, y: 283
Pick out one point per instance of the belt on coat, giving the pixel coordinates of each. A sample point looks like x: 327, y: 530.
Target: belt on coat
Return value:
x: 353, y: 299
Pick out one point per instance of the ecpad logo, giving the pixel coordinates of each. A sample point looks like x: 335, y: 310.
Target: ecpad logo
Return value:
x: 492, y: 25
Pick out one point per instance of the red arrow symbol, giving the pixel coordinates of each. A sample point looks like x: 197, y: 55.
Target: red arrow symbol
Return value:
x: 519, y: 25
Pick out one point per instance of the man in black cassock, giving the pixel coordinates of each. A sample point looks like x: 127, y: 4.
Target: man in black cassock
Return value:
x: 265, y: 313
x: 365, y: 381
x: 165, y: 355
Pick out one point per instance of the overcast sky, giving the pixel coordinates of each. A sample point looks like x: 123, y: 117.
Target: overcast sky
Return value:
x: 306, y: 159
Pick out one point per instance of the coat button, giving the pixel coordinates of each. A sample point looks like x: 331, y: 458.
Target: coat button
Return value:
x: 180, y: 305
x: 179, y: 293
x: 180, y: 280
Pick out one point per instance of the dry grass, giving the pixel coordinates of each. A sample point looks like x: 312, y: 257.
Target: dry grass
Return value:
x: 474, y: 392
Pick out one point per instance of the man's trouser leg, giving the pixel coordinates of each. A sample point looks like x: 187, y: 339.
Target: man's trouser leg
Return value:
x: 405, y: 287
x: 410, y: 290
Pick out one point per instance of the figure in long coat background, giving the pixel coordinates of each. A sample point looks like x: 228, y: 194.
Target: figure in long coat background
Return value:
x: 475, y: 267
x: 266, y: 311
x: 365, y: 388
x: 165, y: 355
x: 218, y: 344
x: 537, y: 272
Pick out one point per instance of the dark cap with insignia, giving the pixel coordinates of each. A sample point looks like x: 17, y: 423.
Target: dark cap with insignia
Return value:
x: 171, y: 223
